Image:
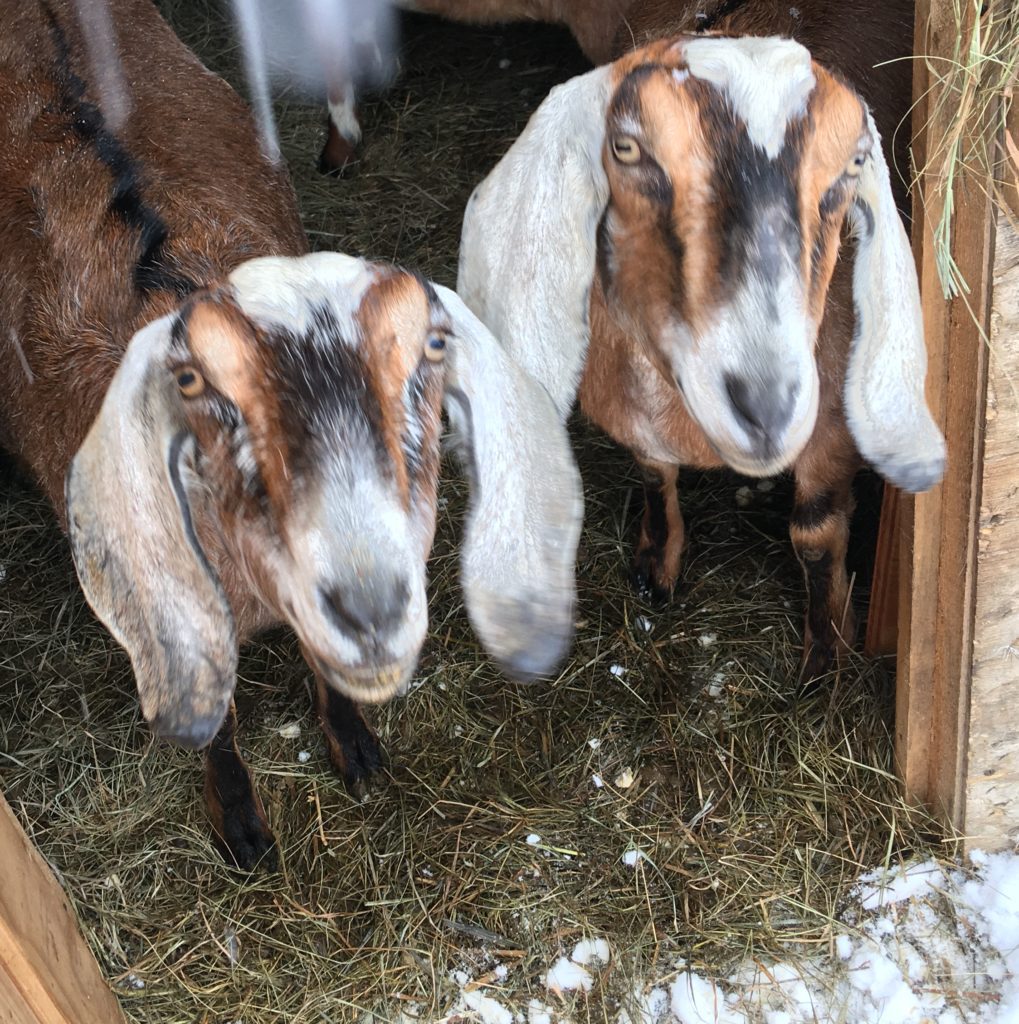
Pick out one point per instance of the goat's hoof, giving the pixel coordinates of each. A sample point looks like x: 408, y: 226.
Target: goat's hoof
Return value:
x: 246, y: 841
x: 354, y: 751
x: 338, y: 161
x: 644, y: 579
x: 818, y: 662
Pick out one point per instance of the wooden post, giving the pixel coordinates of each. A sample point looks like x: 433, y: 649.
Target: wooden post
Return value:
x: 952, y: 587
x: 47, y: 974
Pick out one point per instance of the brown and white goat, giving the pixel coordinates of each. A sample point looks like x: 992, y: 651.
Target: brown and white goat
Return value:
x: 235, y: 432
x: 663, y: 239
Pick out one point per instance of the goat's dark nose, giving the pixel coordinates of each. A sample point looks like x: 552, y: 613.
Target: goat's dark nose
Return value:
x: 763, y: 407
x: 370, y: 609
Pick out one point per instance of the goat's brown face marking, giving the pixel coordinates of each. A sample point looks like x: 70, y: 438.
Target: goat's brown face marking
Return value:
x: 226, y: 375
x: 393, y: 314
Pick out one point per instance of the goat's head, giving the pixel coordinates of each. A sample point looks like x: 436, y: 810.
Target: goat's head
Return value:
x: 705, y: 182
x: 290, y: 419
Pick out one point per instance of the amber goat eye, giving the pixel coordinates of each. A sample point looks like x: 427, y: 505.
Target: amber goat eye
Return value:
x: 435, y: 348
x: 625, y: 149
x: 190, y: 382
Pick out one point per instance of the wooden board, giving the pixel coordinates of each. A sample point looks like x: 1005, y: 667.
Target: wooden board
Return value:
x: 938, y: 562
x: 47, y: 973
x: 991, y: 798
x: 883, y: 609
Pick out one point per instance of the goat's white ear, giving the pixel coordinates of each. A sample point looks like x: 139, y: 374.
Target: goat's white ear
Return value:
x: 526, y: 505
x: 885, y: 404
x: 140, y: 563
x: 527, y: 251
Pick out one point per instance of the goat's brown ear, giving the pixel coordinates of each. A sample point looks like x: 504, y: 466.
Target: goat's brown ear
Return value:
x: 143, y: 570
x: 884, y: 396
x: 526, y: 505
x: 527, y: 251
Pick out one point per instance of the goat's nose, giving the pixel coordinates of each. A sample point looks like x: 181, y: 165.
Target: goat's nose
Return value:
x: 763, y: 407
x: 370, y: 609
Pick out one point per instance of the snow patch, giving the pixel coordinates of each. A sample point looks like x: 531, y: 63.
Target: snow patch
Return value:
x: 566, y: 976
x: 591, y: 951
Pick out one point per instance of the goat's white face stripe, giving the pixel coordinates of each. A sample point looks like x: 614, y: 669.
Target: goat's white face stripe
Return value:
x: 768, y: 81
x: 286, y: 292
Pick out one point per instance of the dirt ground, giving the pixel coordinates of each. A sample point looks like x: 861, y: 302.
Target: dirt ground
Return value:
x: 752, y: 807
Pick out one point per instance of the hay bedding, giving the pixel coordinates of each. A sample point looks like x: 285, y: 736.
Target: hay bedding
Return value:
x: 750, y: 810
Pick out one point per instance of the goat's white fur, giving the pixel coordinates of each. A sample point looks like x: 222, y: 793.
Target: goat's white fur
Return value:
x: 884, y: 396
x: 528, y: 248
x: 767, y: 81
x: 135, y: 549
x: 526, y: 508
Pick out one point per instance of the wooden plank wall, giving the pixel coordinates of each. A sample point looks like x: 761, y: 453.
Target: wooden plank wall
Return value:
x: 47, y: 973
x: 939, y: 529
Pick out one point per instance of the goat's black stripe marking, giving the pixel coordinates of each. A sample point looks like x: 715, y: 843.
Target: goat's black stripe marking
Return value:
x: 151, y: 272
x: 174, y: 459
x: 465, y: 445
x: 810, y: 514
x: 324, y: 380
x: 749, y: 183
x: 866, y: 215
x: 604, y: 257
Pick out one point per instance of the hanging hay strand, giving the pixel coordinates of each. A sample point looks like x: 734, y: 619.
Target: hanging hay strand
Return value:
x: 751, y: 810
x: 972, y: 91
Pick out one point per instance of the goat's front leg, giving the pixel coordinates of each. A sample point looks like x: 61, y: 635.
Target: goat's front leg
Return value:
x: 655, y: 567
x: 352, y: 744
x: 819, y: 529
x: 343, y: 130
x: 238, y: 818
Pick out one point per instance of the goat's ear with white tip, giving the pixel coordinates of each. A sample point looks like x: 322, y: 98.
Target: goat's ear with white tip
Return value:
x: 885, y: 404
x: 526, y: 506
x: 129, y: 512
x: 527, y: 251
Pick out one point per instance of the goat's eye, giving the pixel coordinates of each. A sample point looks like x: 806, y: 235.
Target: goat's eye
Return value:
x: 435, y: 348
x: 625, y: 149
x: 855, y: 166
x: 190, y: 382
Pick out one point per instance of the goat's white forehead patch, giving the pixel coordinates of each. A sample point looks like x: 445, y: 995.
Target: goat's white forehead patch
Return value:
x: 288, y: 291
x: 766, y: 79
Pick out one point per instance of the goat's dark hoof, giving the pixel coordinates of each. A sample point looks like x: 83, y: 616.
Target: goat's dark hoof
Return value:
x: 818, y: 661
x: 354, y: 749
x: 644, y: 574
x: 246, y: 841
x: 338, y: 159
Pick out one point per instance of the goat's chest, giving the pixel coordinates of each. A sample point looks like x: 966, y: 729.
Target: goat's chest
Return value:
x: 624, y: 393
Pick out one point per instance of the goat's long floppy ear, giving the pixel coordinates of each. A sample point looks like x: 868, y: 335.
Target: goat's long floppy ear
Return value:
x: 527, y: 251
x: 526, y: 505
x: 138, y: 559
x: 885, y: 404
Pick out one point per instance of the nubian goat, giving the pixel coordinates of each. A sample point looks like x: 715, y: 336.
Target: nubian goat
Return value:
x: 236, y: 433
x: 663, y: 240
